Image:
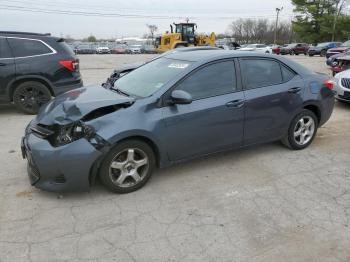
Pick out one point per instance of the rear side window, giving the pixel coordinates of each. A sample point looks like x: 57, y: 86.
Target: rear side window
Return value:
x: 261, y: 72
x: 5, y: 51
x: 287, y: 74
x: 26, y: 47
x: 212, y: 80
x: 66, y: 48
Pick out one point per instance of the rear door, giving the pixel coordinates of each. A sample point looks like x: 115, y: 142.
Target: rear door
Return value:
x: 273, y: 94
x: 7, y: 68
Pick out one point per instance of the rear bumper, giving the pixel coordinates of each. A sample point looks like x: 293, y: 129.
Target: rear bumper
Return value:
x: 58, y: 169
x: 62, y: 88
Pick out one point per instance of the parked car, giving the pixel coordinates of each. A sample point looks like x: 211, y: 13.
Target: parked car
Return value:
x: 135, y: 49
x: 341, y: 49
x: 331, y: 60
x: 172, y: 109
x: 340, y: 64
x: 103, y: 50
x: 295, y: 49
x: 322, y: 48
x: 35, y: 67
x: 227, y: 44
x: 84, y: 49
x: 257, y: 48
x: 276, y: 49
x: 149, y: 49
x: 120, y: 50
x: 342, y: 86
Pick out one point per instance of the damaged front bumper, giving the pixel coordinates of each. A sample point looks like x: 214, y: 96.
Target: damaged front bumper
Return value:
x: 59, y: 169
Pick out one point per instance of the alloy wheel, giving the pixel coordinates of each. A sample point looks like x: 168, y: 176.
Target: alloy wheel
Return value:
x: 304, y: 130
x: 129, y: 167
x: 32, y: 98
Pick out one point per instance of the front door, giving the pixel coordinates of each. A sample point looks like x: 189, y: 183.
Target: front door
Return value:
x: 213, y: 121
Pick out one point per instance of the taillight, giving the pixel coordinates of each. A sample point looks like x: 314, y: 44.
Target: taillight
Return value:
x: 329, y: 84
x: 71, y: 65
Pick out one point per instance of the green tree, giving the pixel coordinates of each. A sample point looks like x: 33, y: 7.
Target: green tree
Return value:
x: 319, y: 20
x: 91, y: 38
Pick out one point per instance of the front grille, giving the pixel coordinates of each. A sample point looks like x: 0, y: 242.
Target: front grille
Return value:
x: 60, y: 179
x: 345, y: 82
x: 33, y: 173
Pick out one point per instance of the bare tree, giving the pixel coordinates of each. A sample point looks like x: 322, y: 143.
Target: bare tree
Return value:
x: 260, y: 31
x: 152, y: 29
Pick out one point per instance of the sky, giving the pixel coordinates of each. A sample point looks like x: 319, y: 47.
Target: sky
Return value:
x: 126, y: 18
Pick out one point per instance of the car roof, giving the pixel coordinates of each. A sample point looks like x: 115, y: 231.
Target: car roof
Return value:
x: 205, y: 55
x: 29, y: 35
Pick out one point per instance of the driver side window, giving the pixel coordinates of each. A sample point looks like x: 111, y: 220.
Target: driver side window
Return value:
x: 212, y: 80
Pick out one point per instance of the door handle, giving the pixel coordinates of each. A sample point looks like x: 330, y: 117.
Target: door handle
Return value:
x: 235, y: 103
x: 294, y: 90
x: 2, y: 64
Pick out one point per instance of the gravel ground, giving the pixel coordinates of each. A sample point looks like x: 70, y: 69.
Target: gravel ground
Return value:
x: 263, y: 203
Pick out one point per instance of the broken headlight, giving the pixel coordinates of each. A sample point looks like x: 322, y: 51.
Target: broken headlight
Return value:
x: 69, y: 133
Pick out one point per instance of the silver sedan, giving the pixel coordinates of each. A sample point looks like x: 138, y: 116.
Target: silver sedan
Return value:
x: 342, y: 86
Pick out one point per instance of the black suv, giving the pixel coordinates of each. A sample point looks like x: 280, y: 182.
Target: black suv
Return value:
x: 35, y: 67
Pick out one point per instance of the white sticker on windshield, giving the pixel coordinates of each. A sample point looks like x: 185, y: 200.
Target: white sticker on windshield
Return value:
x: 159, y: 85
x: 178, y: 65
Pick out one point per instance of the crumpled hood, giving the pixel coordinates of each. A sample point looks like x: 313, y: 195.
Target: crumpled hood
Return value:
x: 74, y: 105
x: 339, y: 49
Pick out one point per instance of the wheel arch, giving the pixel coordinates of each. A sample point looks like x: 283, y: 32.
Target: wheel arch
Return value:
x: 314, y: 109
x: 16, y: 82
x: 96, y: 166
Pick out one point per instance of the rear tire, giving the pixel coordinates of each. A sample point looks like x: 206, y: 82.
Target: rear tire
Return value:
x: 301, y: 131
x: 30, y: 96
x: 127, y: 167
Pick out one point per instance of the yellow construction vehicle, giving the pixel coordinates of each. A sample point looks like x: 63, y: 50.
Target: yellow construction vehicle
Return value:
x: 183, y: 36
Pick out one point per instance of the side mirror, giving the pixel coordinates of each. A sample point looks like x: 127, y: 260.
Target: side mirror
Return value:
x: 181, y: 97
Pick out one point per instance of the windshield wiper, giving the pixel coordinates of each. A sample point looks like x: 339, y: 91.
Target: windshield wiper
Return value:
x: 120, y: 91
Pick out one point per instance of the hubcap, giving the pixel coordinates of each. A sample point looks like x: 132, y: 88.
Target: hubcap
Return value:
x: 304, y: 130
x: 129, y: 167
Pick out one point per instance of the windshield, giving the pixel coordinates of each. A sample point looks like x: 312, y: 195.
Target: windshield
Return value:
x: 323, y: 44
x: 149, y: 78
x: 346, y: 44
x: 251, y: 46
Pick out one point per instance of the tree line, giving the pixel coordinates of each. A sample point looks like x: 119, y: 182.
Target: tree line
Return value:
x: 314, y: 21
x: 260, y: 31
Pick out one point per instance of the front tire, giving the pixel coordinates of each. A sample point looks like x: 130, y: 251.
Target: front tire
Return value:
x: 30, y: 96
x: 127, y: 167
x: 323, y: 53
x: 301, y: 131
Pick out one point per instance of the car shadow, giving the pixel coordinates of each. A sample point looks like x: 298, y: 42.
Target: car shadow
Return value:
x: 10, y: 109
x: 343, y: 105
